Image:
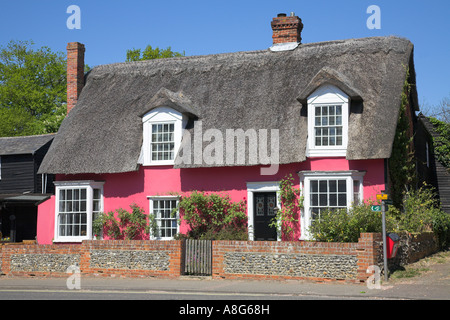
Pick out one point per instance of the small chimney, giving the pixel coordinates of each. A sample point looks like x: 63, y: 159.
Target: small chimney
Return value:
x: 75, y: 73
x: 286, y: 29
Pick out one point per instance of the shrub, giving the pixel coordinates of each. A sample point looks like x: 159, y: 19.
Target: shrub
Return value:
x: 213, y: 216
x: 422, y: 213
x: 123, y: 225
x: 345, y: 226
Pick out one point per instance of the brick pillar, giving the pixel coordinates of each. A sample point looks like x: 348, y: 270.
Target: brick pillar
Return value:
x: 75, y: 73
x: 370, y: 250
x: 286, y: 29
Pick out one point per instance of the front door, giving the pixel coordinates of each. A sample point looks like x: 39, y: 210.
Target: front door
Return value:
x: 264, y: 205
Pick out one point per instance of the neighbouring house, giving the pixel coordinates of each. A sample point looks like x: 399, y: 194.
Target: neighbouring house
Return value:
x: 429, y: 168
x: 142, y: 132
x: 21, y: 187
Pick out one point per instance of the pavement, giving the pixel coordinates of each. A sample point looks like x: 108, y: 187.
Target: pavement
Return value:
x: 431, y: 284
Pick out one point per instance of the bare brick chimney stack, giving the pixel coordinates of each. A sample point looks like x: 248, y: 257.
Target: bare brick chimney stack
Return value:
x: 286, y: 29
x: 75, y: 73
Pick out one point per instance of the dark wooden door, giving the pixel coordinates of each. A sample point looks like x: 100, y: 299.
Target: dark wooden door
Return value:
x: 264, y: 205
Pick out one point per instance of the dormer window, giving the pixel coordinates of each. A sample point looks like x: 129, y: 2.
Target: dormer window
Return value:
x: 328, y: 112
x: 163, y: 124
x: 162, y: 136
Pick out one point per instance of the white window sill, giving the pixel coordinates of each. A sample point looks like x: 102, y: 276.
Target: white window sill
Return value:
x: 326, y: 152
x: 70, y: 240
x: 159, y: 163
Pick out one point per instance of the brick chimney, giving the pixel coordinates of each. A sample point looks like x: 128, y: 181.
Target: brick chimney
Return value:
x: 286, y: 29
x: 75, y: 73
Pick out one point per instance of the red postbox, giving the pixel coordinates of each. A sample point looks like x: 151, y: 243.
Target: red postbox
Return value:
x: 392, y: 241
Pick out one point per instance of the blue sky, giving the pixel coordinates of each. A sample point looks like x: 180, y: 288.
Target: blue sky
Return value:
x: 199, y: 27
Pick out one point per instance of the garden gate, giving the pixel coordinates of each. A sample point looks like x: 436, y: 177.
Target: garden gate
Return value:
x: 197, y: 257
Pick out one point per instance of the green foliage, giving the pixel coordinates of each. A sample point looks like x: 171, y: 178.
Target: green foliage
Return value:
x: 441, y: 144
x: 286, y: 219
x: 213, y: 216
x: 123, y: 225
x: 32, y: 89
x: 421, y: 214
x: 345, y: 226
x: 149, y: 53
x: 401, y: 163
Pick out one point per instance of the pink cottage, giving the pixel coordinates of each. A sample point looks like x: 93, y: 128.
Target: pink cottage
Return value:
x: 140, y: 132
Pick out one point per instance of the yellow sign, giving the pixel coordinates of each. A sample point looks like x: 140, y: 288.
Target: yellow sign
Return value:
x: 382, y: 196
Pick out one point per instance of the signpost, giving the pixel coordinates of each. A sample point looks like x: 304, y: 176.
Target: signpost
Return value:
x: 384, y: 198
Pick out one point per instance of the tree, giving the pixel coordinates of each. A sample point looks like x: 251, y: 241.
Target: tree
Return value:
x: 441, y: 111
x: 149, y: 53
x: 32, y: 89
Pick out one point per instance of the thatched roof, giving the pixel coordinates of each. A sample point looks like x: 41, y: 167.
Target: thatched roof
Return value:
x: 24, y: 144
x: 257, y: 89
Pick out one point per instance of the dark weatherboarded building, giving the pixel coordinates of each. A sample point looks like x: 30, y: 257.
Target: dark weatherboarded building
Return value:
x: 21, y: 187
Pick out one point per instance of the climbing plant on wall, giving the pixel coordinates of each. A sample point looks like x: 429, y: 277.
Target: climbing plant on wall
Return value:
x: 401, y: 163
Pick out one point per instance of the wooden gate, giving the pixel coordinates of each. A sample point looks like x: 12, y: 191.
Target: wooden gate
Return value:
x: 197, y: 257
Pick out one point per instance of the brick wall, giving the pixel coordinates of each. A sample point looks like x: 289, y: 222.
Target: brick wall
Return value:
x: 131, y: 258
x: 38, y: 260
x: 412, y: 248
x: 318, y: 261
x: 126, y: 258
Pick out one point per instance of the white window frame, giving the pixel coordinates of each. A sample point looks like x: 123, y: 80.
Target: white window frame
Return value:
x: 252, y: 187
x: 177, y: 217
x: 89, y: 185
x: 161, y: 115
x: 305, y: 185
x: 327, y: 95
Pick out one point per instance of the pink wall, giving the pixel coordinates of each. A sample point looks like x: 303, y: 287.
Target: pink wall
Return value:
x: 46, y: 221
x: 121, y: 190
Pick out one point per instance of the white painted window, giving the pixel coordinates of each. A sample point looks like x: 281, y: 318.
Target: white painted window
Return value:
x: 162, y: 136
x: 77, y: 204
x: 166, y: 217
x: 324, y: 190
x: 328, y: 113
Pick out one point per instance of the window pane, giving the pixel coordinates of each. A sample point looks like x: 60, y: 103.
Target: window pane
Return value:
x: 323, y: 186
x: 314, y: 199
x: 323, y: 200
x: 342, y: 185
x: 333, y: 200
x: 314, y: 186
x: 331, y: 110
x: 342, y: 200
x: 332, y: 185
